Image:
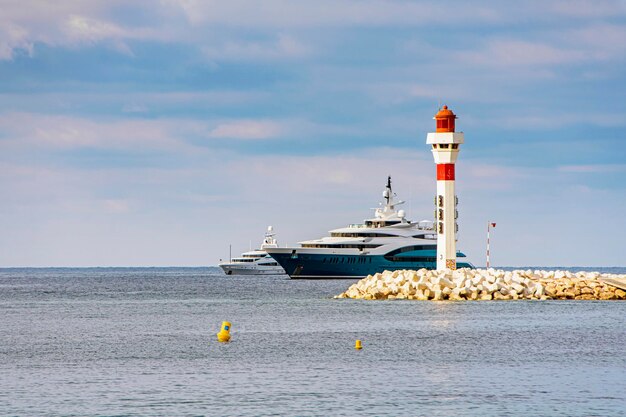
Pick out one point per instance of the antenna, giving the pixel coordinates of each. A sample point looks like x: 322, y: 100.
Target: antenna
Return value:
x: 388, y: 190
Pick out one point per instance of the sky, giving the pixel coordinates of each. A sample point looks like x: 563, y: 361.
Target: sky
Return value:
x: 158, y: 133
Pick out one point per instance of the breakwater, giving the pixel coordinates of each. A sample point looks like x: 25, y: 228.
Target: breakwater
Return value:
x: 486, y: 284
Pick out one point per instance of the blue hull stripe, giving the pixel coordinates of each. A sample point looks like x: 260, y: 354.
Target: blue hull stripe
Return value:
x: 314, y: 266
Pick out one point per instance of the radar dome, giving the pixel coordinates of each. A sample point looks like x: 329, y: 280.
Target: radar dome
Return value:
x: 401, y: 213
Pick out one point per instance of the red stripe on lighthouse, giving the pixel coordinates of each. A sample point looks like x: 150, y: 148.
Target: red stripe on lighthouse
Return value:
x: 445, y: 172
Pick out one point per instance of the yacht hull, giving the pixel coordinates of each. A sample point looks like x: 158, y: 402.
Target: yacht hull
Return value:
x: 234, y: 269
x: 331, y: 266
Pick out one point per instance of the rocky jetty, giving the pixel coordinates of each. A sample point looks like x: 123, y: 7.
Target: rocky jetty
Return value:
x: 485, y: 284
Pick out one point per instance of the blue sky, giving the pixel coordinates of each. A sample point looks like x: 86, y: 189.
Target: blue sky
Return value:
x: 159, y: 132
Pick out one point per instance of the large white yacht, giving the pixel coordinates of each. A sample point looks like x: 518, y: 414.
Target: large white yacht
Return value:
x: 255, y: 262
x: 388, y: 241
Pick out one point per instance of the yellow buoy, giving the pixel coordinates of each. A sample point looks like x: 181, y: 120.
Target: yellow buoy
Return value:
x: 357, y: 345
x: 224, y: 334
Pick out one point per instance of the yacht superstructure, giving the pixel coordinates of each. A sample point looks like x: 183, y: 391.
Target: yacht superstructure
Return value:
x: 255, y: 262
x: 388, y: 241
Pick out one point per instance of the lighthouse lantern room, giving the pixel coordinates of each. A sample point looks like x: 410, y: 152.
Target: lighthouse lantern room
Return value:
x: 445, y: 144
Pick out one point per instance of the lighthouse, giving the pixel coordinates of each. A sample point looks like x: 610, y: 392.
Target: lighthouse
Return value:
x: 445, y: 144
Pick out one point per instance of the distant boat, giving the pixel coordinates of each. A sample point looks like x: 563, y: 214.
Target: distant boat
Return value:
x: 255, y: 262
x: 386, y: 242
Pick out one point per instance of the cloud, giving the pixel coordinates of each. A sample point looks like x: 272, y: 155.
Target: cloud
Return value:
x: 84, y: 29
x: 49, y: 132
x: 480, y: 171
x: 324, y: 13
x: 592, y: 169
x: 80, y: 23
x: 327, y: 191
x: 600, y: 41
x: 247, y: 129
x: 72, y: 23
x: 538, y: 119
x: 116, y: 205
x: 134, y: 108
x: 284, y: 26
x: 350, y: 173
x: 65, y: 132
x: 283, y: 47
x: 586, y: 8
x: 514, y: 53
x: 13, y: 37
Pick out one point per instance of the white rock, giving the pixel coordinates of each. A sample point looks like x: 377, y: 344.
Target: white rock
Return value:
x: 519, y: 289
x: 477, y: 280
x: 539, y: 290
x: 490, y: 288
x: 459, y: 282
x: 445, y: 282
x: 422, y: 286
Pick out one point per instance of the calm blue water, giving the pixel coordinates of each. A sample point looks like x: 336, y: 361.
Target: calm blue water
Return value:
x: 142, y: 342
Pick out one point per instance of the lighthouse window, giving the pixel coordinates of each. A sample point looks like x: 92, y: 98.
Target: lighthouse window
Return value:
x: 444, y: 146
x: 435, y: 146
x: 455, y: 146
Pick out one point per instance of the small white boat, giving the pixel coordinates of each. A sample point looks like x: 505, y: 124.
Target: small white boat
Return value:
x: 255, y: 262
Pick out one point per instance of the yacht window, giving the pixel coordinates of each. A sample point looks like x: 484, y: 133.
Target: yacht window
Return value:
x: 362, y: 234
x: 411, y: 259
x: 343, y: 246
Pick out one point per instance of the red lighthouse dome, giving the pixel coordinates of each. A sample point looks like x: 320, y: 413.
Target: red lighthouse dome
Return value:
x: 445, y: 120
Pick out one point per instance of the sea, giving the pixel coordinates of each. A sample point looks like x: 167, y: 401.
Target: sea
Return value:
x: 142, y: 342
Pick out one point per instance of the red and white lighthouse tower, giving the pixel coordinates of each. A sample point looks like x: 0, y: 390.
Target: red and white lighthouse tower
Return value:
x: 445, y: 144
